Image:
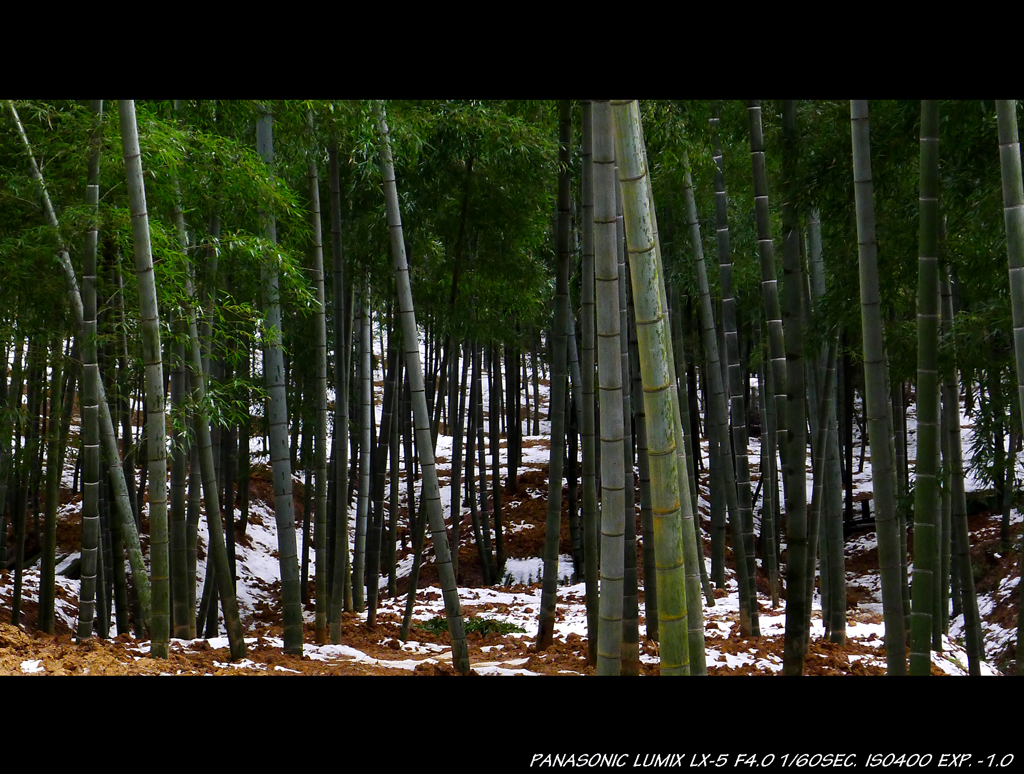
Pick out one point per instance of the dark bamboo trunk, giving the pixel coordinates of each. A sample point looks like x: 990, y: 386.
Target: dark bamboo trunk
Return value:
x: 494, y: 415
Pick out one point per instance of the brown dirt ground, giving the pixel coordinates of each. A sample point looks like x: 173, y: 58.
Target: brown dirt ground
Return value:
x: 60, y: 654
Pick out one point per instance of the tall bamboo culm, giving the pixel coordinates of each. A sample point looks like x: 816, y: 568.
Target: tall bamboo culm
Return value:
x: 587, y: 428
x: 609, y: 363
x: 320, y: 525
x: 1013, y: 204
x: 277, y: 412
x: 800, y: 556
x: 877, y: 397
x: 926, y: 492
x: 90, y: 393
x: 156, y: 425
x: 106, y: 428
x: 431, y: 493
x: 737, y: 493
x: 662, y: 410
x: 546, y: 624
x: 734, y: 373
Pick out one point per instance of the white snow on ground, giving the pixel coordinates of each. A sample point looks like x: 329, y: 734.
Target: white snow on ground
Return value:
x: 259, y: 572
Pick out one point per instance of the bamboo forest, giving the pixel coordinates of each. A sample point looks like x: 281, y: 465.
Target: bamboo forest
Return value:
x: 522, y: 387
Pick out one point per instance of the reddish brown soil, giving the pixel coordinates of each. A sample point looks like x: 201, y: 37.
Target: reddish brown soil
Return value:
x: 60, y: 654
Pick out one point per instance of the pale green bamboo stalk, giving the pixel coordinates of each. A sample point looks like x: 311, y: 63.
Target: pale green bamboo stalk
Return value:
x: 663, y: 428
x: 691, y: 536
x: 152, y: 354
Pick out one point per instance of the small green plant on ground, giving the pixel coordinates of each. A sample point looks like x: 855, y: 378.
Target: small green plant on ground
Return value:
x: 483, y: 625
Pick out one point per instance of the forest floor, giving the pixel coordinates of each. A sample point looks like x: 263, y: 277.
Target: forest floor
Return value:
x: 517, y: 602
